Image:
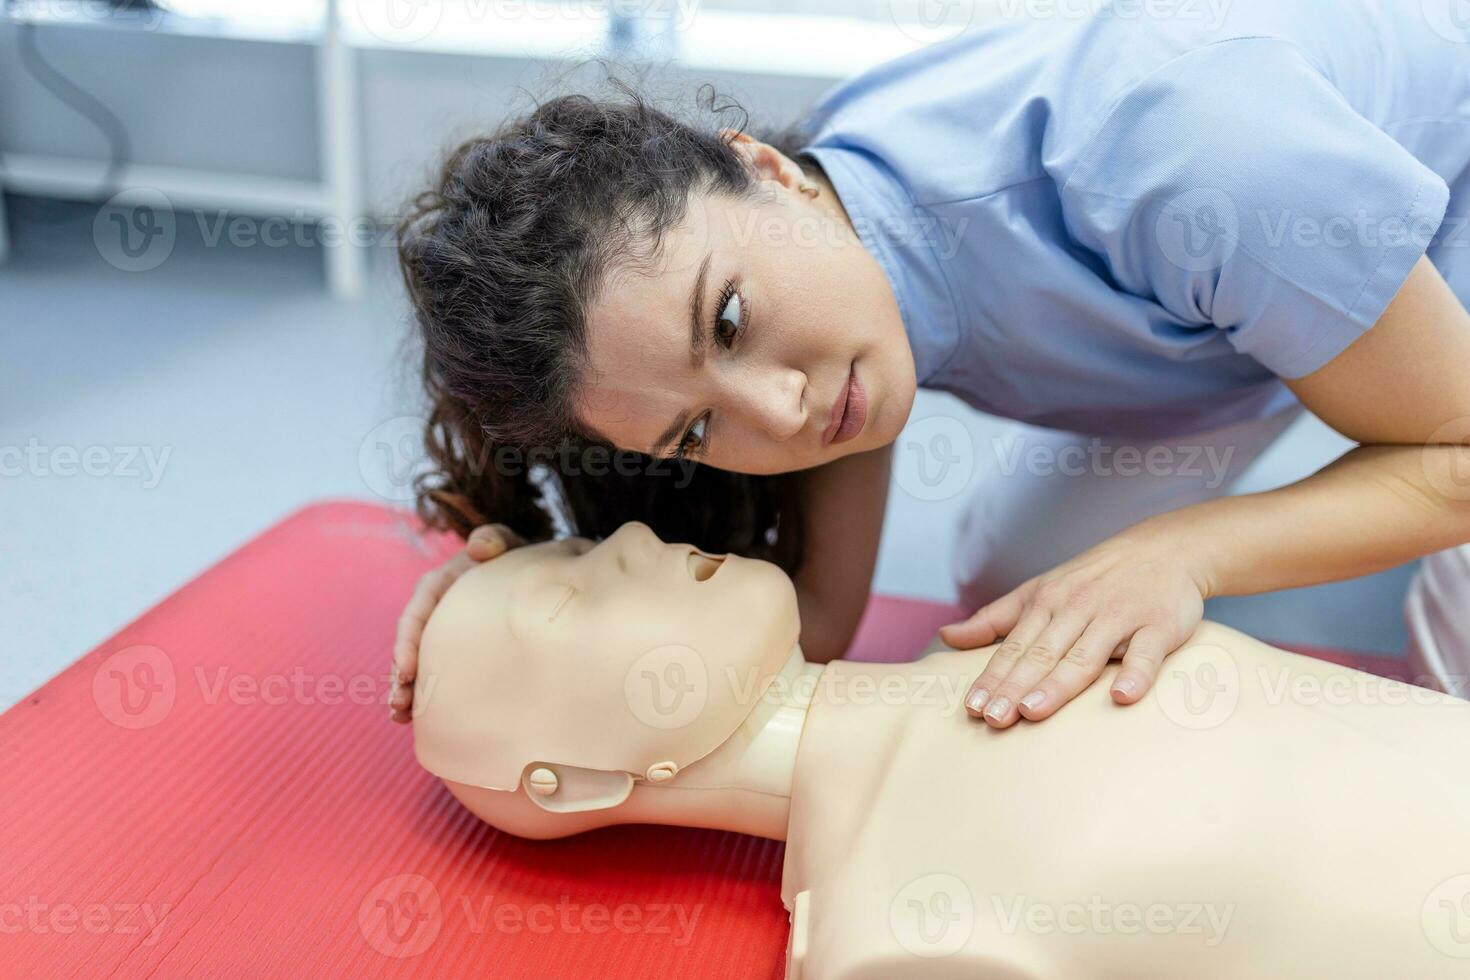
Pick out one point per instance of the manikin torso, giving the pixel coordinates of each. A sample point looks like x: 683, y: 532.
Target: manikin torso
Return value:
x: 1257, y: 814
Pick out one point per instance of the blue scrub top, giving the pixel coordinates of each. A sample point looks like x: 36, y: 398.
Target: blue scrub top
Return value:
x: 1134, y: 224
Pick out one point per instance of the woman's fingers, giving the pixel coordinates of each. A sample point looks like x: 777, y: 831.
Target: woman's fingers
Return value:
x: 484, y: 543
x: 1040, y: 658
x: 1077, y: 669
x: 1141, y: 662
x: 1006, y: 656
x: 988, y: 624
x: 426, y: 595
x: 490, y: 541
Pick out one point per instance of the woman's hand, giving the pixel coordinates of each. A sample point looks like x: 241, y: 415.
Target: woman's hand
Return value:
x: 485, y: 542
x: 1138, y: 595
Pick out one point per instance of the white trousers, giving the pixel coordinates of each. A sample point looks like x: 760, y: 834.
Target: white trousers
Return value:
x: 1437, y: 612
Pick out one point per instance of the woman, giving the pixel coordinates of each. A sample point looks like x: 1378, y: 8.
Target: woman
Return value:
x: 1144, y: 228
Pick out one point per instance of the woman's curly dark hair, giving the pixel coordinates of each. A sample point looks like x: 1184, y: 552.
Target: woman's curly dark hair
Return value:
x: 502, y: 258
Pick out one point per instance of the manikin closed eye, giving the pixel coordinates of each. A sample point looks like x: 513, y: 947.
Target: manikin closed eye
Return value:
x: 561, y: 603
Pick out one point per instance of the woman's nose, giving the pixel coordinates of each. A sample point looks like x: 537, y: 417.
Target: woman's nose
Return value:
x: 776, y: 403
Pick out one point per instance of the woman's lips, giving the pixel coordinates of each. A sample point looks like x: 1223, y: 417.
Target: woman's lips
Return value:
x: 849, y: 413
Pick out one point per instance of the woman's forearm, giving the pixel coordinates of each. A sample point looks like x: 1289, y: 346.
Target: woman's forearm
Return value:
x: 1372, y: 509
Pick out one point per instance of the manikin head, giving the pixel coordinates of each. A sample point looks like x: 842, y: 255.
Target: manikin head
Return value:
x: 598, y: 667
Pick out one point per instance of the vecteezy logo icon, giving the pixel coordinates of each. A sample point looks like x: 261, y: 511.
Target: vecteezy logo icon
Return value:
x: 1199, y: 230
x: 400, y: 21
x: 135, y: 687
x: 1199, y: 687
x: 135, y: 230
x: 1445, y: 917
x: 391, y: 457
x: 1448, y: 470
x: 931, y: 21
x: 1450, y: 19
x: 667, y: 687
x: 401, y: 916
x: 932, y: 915
x: 934, y: 458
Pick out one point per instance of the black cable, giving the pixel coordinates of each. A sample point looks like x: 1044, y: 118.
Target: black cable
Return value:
x: 84, y: 104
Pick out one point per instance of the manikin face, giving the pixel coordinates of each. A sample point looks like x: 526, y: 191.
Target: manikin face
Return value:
x: 616, y: 657
x: 766, y: 338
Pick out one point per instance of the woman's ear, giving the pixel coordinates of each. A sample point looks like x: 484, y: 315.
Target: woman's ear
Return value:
x: 765, y: 161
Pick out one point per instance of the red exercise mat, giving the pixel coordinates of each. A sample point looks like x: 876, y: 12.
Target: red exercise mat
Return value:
x: 217, y: 791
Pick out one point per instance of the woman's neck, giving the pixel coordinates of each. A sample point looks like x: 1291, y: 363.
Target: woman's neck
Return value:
x: 827, y: 197
x: 745, y: 784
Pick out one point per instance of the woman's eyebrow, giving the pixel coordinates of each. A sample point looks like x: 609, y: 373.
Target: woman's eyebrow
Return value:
x: 696, y: 314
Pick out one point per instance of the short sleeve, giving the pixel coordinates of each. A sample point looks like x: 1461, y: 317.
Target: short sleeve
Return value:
x: 1237, y: 187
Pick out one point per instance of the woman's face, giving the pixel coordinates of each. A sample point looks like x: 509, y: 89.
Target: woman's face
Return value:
x: 766, y: 340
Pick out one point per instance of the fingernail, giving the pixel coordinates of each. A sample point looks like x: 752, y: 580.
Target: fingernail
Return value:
x: 977, y: 699
x: 1125, y: 686
x: 998, y: 708
x: 1034, y: 700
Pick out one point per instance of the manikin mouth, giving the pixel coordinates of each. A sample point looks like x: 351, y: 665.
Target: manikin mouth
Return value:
x: 702, y: 567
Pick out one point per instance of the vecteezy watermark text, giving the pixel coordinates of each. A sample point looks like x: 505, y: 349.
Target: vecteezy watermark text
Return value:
x: 402, y: 916
x: 32, y: 915
x: 1098, y: 916
x: 391, y: 457
x: 37, y: 459
x: 1098, y: 458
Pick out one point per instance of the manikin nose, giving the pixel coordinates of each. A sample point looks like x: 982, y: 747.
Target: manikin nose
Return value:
x: 702, y: 566
x: 635, y: 531
x: 633, y: 542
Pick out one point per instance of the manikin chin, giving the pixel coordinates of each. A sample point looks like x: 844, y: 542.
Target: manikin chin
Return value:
x: 1257, y: 814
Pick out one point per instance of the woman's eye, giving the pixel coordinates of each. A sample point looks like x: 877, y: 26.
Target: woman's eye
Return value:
x: 694, y: 438
x: 727, y: 324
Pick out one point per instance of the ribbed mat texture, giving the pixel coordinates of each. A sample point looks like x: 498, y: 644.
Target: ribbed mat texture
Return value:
x: 217, y: 791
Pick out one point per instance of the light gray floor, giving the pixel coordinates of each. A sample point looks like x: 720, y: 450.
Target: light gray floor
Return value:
x: 262, y: 391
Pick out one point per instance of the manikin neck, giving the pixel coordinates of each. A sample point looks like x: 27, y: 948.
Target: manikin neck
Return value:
x: 745, y: 784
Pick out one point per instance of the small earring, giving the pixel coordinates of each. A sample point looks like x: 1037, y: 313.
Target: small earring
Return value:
x: 809, y: 188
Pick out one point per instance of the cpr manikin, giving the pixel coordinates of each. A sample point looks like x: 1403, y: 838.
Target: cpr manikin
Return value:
x: 1257, y: 814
